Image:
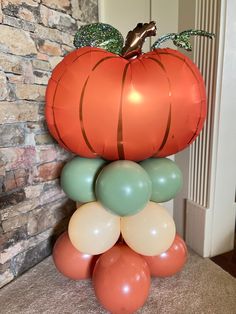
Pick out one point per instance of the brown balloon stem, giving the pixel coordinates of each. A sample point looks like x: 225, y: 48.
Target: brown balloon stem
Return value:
x: 135, y: 39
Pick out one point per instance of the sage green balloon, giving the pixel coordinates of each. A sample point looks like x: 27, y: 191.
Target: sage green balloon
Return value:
x: 166, y: 177
x: 123, y: 187
x: 78, y: 178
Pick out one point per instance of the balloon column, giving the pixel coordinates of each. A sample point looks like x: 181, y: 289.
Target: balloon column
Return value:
x: 122, y: 112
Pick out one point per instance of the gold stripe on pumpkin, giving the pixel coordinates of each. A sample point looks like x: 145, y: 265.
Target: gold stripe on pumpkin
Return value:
x: 120, y: 145
x: 82, y: 102
x: 53, y: 103
x: 196, y: 77
x: 168, y: 125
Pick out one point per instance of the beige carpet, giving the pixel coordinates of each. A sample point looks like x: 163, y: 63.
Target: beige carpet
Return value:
x: 202, y: 287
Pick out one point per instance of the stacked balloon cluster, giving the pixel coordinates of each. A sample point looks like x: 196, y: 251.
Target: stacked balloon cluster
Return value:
x: 121, y: 196
x: 122, y: 112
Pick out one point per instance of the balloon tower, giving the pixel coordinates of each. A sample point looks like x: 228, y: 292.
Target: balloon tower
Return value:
x: 122, y: 112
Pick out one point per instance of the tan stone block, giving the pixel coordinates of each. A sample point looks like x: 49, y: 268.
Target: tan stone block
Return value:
x: 30, y: 91
x: 13, y: 250
x: 42, y: 65
x: 15, y: 222
x: 50, y: 171
x: 50, y: 48
x: 23, y: 245
x: 12, y: 134
x: 17, y: 157
x: 76, y: 12
x: 6, y: 3
x: 46, y: 153
x: 10, y: 63
x: 15, y: 179
x: 41, y: 77
x: 1, y: 14
x: 19, y: 209
x: 49, y: 17
x: 3, y: 86
x: 54, y: 61
x: 40, y: 220
x: 18, y: 111
x: 16, y: 41
x: 29, y: 139
x: 52, y: 192
x: 42, y: 56
x: 48, y: 216
x: 59, y: 20
x: 14, y: 79
x: 26, y: 14
x: 53, y: 35
x: 9, y: 181
x: 44, y: 139
x: 33, y: 191
x: 28, y: 73
x: 63, y: 5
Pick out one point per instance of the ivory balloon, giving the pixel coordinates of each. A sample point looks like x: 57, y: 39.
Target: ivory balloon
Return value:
x: 92, y: 229
x: 150, y: 232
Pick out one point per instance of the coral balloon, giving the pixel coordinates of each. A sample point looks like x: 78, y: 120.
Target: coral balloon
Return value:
x: 150, y: 232
x: 170, y: 262
x: 78, y: 178
x: 69, y: 261
x: 92, y: 229
x: 121, y: 280
x: 166, y: 177
x: 100, y: 104
x: 123, y: 187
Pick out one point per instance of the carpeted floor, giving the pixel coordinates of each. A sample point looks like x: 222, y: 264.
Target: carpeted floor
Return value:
x: 202, y: 287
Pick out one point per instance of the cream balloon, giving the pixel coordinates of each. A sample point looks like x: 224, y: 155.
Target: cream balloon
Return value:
x: 149, y: 232
x: 92, y: 229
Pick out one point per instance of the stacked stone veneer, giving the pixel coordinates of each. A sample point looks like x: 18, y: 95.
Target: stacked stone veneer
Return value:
x: 34, y: 36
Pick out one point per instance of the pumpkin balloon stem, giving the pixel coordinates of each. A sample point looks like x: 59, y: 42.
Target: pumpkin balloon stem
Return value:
x: 181, y: 40
x: 135, y: 39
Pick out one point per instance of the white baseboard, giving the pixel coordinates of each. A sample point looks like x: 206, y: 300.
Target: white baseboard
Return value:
x: 198, y: 228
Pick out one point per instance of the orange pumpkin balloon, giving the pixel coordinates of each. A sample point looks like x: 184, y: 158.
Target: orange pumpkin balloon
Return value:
x: 100, y: 104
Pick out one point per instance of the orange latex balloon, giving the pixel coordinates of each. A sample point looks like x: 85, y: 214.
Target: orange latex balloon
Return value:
x: 170, y: 262
x: 70, y: 262
x: 100, y: 104
x: 121, y: 280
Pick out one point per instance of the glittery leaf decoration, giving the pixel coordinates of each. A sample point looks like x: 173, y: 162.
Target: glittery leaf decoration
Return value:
x: 181, y: 40
x: 99, y: 35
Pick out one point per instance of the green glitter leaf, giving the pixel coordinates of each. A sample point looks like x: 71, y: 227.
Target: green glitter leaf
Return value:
x: 99, y: 35
x: 181, y: 40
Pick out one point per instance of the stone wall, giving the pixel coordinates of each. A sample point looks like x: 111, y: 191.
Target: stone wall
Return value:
x: 34, y: 36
